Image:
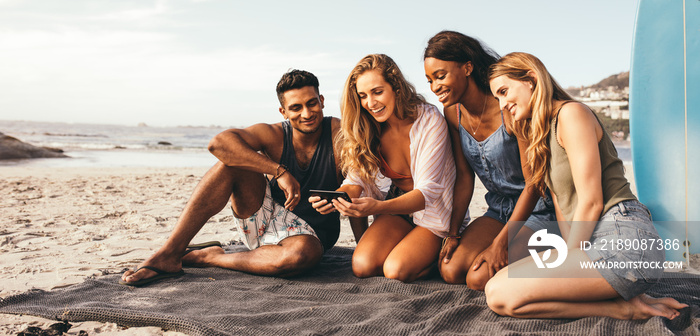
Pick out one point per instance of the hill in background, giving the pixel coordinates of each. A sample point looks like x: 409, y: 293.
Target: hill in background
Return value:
x: 614, y: 87
x: 619, y: 81
x: 609, y: 98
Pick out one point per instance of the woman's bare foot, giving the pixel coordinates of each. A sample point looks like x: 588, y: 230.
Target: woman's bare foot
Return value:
x: 643, y: 306
x: 202, y: 258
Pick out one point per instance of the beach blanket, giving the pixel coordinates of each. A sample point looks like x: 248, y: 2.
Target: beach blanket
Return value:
x: 328, y: 300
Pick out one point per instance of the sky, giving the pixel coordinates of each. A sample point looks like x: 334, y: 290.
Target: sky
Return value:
x: 217, y: 62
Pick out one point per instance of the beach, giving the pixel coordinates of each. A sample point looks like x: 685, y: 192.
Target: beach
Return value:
x: 64, y: 224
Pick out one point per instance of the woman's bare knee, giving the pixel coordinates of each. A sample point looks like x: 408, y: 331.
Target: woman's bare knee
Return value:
x: 401, y: 269
x: 453, y: 273
x: 364, y: 266
x: 494, y: 297
x: 393, y: 270
x: 501, y: 298
x: 477, y: 280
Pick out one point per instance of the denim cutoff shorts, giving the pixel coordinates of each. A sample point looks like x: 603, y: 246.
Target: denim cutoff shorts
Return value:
x: 542, y: 217
x: 628, y: 221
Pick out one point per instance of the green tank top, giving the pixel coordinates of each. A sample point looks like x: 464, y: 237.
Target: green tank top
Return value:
x: 616, y: 188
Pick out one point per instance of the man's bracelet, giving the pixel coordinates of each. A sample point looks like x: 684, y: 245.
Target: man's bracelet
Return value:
x: 279, y: 174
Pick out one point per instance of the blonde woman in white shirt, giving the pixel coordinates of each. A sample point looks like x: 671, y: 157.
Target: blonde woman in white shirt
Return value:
x: 390, y: 133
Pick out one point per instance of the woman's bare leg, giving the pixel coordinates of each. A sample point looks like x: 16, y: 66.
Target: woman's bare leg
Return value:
x: 475, y: 239
x: 377, y: 242
x: 567, y: 292
x: 414, y: 256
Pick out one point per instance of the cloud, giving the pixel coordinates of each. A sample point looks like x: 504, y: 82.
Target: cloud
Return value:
x: 129, y: 73
x: 137, y: 14
x: 145, y: 58
x: 9, y: 2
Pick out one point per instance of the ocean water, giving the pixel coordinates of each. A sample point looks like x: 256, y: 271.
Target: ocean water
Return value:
x: 89, y: 145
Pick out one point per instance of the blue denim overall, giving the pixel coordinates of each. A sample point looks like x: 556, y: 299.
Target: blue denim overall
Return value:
x: 496, y: 161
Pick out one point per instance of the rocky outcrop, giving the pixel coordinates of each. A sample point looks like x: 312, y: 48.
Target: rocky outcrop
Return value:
x: 12, y: 148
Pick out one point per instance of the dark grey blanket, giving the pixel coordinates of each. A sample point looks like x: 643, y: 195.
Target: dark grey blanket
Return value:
x: 328, y: 300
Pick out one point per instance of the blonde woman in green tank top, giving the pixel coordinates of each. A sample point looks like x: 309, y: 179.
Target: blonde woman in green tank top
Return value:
x: 571, y: 155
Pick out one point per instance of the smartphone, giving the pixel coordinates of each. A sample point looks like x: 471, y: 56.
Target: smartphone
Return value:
x: 330, y: 195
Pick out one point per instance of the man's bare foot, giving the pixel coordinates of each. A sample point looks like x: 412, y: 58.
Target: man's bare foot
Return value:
x: 159, y: 260
x: 202, y: 258
x: 643, y: 307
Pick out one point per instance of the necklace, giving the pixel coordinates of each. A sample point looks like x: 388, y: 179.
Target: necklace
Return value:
x: 483, y: 109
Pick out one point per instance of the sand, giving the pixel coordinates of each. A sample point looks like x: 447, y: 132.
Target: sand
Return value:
x: 61, y: 225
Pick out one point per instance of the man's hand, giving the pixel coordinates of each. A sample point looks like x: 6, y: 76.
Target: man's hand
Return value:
x: 290, y: 186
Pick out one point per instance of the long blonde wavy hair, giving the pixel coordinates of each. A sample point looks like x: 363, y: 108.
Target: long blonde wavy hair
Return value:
x: 528, y: 68
x: 360, y: 131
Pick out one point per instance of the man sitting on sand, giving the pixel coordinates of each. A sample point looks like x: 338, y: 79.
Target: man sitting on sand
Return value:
x: 267, y: 171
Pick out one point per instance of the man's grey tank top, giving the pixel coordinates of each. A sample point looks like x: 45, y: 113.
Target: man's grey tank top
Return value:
x: 320, y: 174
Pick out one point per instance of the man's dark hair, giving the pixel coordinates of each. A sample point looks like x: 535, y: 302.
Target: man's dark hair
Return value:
x: 295, y: 79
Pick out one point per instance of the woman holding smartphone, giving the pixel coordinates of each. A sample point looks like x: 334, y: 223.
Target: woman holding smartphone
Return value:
x: 393, y: 138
